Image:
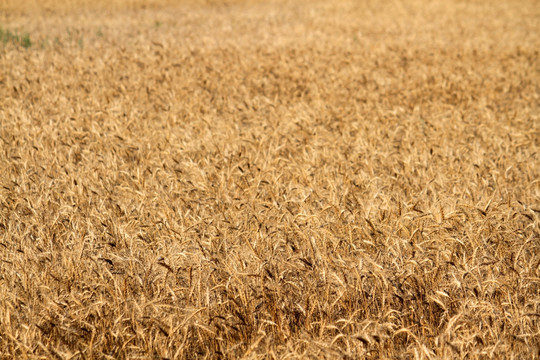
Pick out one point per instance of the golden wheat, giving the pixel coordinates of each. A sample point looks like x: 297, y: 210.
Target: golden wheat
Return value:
x: 282, y: 179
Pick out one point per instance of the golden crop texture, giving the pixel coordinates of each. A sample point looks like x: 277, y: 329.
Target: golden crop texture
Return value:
x: 269, y: 179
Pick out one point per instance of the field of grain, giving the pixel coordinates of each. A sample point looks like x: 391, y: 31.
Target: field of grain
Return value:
x: 269, y: 179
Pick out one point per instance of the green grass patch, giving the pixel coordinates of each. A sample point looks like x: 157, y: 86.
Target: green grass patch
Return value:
x: 14, y: 37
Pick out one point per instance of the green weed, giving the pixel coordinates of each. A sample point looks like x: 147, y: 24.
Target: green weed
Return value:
x: 13, y: 37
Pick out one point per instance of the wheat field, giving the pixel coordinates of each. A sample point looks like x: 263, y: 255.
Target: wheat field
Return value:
x: 269, y: 179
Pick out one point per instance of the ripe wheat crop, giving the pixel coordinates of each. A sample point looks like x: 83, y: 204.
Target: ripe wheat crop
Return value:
x: 269, y: 179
